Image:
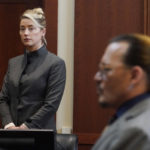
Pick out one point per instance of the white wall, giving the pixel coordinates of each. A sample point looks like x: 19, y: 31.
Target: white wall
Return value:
x: 64, y: 117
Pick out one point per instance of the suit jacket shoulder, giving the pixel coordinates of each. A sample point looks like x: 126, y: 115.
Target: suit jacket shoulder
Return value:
x: 131, y: 131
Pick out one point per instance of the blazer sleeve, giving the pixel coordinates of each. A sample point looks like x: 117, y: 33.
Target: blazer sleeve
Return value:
x: 54, y: 92
x: 132, y: 139
x: 4, y: 98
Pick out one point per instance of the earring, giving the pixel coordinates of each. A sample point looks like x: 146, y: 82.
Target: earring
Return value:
x: 44, y: 40
x: 130, y: 87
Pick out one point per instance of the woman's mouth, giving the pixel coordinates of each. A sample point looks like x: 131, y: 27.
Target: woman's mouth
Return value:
x: 27, y: 40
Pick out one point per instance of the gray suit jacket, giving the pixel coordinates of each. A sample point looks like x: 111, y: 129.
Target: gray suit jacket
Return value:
x: 35, y: 98
x: 129, y: 132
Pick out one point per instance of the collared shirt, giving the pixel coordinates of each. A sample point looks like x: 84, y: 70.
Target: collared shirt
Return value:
x: 127, y: 105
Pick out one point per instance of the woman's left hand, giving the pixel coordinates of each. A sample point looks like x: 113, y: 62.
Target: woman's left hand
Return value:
x: 23, y: 127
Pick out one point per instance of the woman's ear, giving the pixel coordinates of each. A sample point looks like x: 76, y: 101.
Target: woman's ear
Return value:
x: 44, y: 31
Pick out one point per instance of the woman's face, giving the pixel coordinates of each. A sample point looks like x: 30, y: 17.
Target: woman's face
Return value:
x: 31, y: 35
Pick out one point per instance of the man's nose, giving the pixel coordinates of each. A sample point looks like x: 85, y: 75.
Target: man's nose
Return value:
x: 98, y: 77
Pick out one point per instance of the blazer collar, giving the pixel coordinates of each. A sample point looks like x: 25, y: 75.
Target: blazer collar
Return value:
x: 41, y: 51
x: 23, y: 61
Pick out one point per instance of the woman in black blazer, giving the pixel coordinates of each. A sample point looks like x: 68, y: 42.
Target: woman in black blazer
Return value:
x: 34, y: 83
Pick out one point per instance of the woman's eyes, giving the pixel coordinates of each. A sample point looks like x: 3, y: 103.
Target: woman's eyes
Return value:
x: 29, y: 29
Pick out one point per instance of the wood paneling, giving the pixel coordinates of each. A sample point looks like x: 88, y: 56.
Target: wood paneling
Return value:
x: 13, y: 1
x: 10, y: 44
x: 28, y: 3
x: 97, y: 21
x: 147, y: 17
x: 51, y: 11
x: 87, y: 138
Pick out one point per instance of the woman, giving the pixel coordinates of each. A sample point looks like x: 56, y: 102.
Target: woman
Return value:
x: 34, y: 82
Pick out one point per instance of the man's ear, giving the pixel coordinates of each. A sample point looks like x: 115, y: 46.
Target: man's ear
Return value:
x: 137, y: 74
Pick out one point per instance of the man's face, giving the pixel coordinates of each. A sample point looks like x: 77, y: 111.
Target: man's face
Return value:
x: 113, y: 78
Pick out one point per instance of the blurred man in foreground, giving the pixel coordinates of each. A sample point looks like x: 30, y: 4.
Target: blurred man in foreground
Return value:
x: 123, y: 82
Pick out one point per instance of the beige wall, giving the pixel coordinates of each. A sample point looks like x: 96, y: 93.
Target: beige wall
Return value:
x: 65, y: 49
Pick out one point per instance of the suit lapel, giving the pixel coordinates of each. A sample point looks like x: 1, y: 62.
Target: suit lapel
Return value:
x: 19, y: 68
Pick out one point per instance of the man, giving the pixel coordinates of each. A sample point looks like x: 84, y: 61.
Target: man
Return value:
x: 123, y: 82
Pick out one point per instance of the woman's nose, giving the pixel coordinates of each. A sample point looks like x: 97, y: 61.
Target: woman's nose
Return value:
x: 26, y: 31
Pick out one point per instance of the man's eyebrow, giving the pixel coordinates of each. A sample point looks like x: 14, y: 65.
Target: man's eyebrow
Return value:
x: 103, y: 64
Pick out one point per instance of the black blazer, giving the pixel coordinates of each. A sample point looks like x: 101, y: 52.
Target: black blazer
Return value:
x: 33, y: 98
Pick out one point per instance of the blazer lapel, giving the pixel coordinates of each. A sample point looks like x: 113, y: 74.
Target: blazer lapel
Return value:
x: 19, y: 68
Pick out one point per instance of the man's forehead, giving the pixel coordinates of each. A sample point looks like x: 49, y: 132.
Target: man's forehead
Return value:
x: 117, y: 47
x: 114, y: 53
x: 113, y: 47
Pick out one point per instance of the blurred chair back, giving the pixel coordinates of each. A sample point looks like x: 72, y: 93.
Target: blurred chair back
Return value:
x: 67, y: 141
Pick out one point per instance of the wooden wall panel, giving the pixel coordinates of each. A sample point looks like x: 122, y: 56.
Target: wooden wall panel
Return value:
x: 97, y: 21
x: 147, y: 17
x: 9, y: 37
x: 51, y: 11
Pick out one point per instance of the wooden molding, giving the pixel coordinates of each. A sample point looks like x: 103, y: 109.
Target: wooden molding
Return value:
x: 14, y: 1
x: 87, y: 138
x: 145, y: 16
x: 148, y: 17
x: 20, y: 1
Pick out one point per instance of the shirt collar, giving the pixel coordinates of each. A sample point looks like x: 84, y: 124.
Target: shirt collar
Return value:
x: 37, y: 52
x: 33, y: 55
x: 127, y: 105
x: 130, y: 103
